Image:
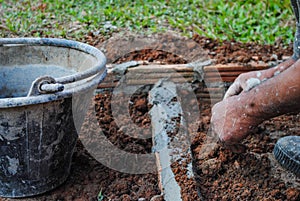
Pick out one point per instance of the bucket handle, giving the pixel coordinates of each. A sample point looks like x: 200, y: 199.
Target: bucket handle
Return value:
x: 44, y: 85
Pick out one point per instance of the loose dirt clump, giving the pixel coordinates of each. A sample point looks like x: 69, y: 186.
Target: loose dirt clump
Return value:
x: 152, y: 56
x: 120, y: 133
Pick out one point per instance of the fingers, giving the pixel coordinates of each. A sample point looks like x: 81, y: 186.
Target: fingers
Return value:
x: 234, y: 147
x: 286, y: 64
x: 247, y: 81
x: 233, y: 90
x: 251, y: 83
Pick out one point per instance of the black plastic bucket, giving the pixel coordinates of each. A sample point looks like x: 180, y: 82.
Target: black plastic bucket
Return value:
x: 38, y: 80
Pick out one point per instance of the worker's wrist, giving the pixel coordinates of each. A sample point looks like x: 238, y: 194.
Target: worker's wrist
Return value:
x: 296, y: 46
x: 274, y: 71
x: 259, y: 105
x: 251, y: 107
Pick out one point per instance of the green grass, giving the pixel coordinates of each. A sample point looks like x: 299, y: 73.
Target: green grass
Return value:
x: 259, y: 21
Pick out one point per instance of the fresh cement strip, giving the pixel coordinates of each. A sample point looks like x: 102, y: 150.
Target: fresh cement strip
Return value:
x: 171, y: 147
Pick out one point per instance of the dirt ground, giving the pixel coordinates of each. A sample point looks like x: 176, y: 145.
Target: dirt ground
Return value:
x: 253, y: 175
x: 220, y: 174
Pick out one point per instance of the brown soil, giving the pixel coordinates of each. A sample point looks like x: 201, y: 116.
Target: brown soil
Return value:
x: 152, y: 56
x: 235, y: 52
x: 253, y: 175
x: 221, y: 174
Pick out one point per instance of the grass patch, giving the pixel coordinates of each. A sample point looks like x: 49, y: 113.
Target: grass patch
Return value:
x: 245, y: 21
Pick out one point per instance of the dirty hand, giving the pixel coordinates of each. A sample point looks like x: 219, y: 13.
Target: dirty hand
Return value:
x: 232, y: 120
x: 244, y: 82
x: 247, y: 81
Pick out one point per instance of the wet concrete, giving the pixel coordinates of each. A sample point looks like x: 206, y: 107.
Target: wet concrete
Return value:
x: 171, y: 146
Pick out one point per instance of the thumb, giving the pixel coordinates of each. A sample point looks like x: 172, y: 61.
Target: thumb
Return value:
x: 233, y: 90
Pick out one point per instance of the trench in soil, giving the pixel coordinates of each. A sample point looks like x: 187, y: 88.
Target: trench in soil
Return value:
x: 223, y: 175
x: 220, y: 174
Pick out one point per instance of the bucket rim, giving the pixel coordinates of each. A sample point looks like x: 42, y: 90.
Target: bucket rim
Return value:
x: 97, y: 72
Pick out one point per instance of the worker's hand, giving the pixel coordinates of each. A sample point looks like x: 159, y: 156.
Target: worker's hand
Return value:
x: 232, y: 120
x: 246, y: 81
x: 241, y: 111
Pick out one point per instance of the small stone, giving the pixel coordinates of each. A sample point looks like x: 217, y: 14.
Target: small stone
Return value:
x: 240, y: 58
x: 141, y: 105
x: 237, y: 165
x: 211, y: 166
x: 126, y: 197
x: 292, y: 194
x: 274, y: 57
x: 255, y: 58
